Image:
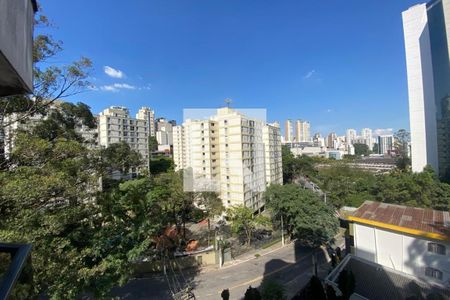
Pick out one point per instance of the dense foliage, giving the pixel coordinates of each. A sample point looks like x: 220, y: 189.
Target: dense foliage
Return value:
x: 349, y: 186
x: 305, y: 215
x: 244, y: 221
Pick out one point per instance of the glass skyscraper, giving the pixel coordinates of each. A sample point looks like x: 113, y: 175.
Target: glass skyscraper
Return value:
x: 426, y: 28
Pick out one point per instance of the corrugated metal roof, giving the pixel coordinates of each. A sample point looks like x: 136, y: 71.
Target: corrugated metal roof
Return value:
x: 423, y: 219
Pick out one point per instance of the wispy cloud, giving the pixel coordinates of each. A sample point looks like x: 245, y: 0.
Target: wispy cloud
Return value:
x: 309, y: 74
x: 114, y: 73
x: 116, y: 87
x: 124, y: 86
x: 146, y: 87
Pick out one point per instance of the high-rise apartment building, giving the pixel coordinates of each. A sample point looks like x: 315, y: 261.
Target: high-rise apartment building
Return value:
x: 164, y: 132
x: 230, y: 153
x: 385, y: 144
x: 272, y: 153
x: 148, y: 115
x: 302, y: 131
x: 331, y: 140
x: 116, y: 125
x: 350, y: 136
x: 427, y: 42
x: 366, y: 135
x: 288, y: 132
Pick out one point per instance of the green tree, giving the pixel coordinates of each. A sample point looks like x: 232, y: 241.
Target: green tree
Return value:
x: 307, y: 217
x: 313, y: 290
x: 152, y: 144
x: 243, y: 221
x: 361, y: 149
x: 83, y: 240
x: 272, y: 290
x: 211, y: 204
x: 120, y: 157
x: 401, y: 142
x: 161, y: 165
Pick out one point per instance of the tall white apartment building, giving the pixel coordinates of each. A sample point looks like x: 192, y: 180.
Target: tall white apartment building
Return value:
x: 272, y: 150
x: 288, y: 132
x: 385, y: 144
x: 427, y: 44
x: 164, y: 132
x: 350, y: 136
x: 366, y: 134
x: 302, y: 131
x: 116, y: 125
x: 229, y: 153
x: 147, y: 114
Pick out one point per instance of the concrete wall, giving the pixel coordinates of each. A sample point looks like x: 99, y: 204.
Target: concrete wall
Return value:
x: 401, y: 252
x: 16, y: 45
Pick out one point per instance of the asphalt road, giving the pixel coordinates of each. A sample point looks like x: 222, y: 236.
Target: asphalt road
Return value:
x: 291, y: 266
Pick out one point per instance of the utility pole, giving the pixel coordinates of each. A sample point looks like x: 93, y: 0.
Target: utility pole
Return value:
x: 282, y: 231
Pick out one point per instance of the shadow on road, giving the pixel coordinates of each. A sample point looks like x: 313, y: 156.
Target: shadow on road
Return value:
x: 292, y: 276
x: 157, y: 285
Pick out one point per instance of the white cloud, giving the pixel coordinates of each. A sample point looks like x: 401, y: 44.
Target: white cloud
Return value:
x: 113, y: 72
x: 124, y: 86
x: 109, y: 88
x: 309, y: 74
x: 117, y: 86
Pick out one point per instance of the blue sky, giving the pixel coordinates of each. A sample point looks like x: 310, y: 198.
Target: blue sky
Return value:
x: 338, y: 64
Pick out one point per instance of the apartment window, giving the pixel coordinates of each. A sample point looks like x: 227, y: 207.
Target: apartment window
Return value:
x: 436, y: 248
x: 131, y: 127
x: 226, y: 145
x: 132, y: 140
x: 228, y: 177
x: 125, y: 133
x: 225, y: 122
x: 434, y: 273
x: 131, y: 121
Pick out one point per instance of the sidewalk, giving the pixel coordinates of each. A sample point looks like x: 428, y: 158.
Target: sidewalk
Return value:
x: 248, y: 256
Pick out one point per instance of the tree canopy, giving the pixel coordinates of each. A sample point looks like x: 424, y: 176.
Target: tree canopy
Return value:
x: 305, y: 214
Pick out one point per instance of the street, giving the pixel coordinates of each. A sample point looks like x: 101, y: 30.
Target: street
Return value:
x: 291, y: 266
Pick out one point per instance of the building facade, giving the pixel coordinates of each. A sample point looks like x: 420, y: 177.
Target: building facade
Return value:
x: 272, y: 153
x: 164, y: 132
x: 350, y: 136
x: 288, y: 131
x: 148, y: 115
x: 426, y: 30
x: 115, y: 125
x: 406, y: 239
x: 229, y: 153
x: 366, y: 135
x: 385, y: 144
x: 302, y: 131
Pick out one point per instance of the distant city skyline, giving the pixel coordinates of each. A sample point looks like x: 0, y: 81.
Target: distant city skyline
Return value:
x: 261, y: 55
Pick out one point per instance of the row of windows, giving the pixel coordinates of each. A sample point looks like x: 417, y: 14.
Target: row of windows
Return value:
x: 125, y: 121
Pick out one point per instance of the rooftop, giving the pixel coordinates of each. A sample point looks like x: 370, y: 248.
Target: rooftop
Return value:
x: 374, y: 281
x: 424, y: 222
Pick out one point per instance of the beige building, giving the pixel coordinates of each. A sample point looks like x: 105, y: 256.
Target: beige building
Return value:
x: 229, y: 153
x: 302, y: 131
x: 147, y: 114
x: 288, y: 132
x: 116, y: 125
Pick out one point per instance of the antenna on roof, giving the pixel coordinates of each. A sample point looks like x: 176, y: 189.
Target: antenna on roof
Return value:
x: 228, y: 102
